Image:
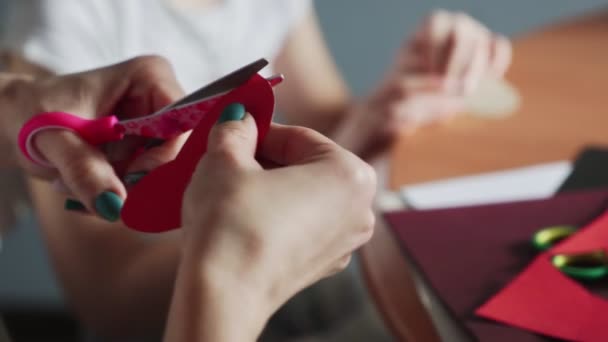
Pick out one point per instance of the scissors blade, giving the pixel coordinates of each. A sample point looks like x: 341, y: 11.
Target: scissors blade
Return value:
x: 222, y: 85
x: 185, y: 114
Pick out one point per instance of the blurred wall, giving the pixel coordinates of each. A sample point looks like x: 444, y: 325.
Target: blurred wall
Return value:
x: 2, y: 10
x: 362, y: 35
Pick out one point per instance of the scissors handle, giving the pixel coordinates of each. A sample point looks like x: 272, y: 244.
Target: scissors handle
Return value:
x: 94, y: 132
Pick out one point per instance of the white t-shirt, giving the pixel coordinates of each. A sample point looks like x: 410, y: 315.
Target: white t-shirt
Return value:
x: 202, y: 45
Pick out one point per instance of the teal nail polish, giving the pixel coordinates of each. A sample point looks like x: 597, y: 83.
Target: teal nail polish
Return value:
x: 74, y: 205
x: 108, y: 205
x: 133, y: 178
x: 232, y: 112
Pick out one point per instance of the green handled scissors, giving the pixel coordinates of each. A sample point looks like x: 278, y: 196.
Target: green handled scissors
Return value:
x: 585, y: 266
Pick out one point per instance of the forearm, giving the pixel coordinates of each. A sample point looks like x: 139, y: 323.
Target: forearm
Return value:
x: 348, y: 124
x: 212, y: 305
x: 325, y: 118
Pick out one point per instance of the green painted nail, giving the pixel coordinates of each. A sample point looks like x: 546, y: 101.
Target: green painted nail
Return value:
x: 108, y: 205
x: 133, y: 178
x: 74, y: 205
x: 232, y: 112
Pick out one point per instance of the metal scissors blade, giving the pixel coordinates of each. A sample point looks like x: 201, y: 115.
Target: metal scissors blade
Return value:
x: 222, y: 85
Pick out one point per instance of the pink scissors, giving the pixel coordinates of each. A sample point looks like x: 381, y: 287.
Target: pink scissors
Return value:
x: 166, y: 123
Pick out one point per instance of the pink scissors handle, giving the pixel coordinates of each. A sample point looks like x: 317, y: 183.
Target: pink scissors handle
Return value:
x: 95, y: 132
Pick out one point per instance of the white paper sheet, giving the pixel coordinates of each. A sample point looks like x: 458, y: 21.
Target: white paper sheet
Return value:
x: 533, y: 182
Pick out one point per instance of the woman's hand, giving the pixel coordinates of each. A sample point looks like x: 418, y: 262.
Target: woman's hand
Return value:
x: 256, y: 236
x: 433, y: 73
x: 133, y: 88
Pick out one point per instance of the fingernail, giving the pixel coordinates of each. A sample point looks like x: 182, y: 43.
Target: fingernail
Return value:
x: 133, y: 178
x: 74, y: 205
x: 153, y: 143
x: 232, y: 112
x: 108, y: 205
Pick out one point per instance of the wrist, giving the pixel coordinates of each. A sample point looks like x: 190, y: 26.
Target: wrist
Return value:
x: 207, y: 305
x: 217, y: 290
x: 350, y: 133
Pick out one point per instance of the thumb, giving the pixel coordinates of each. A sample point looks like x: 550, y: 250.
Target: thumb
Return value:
x: 232, y: 141
x: 294, y: 145
x: 148, y: 81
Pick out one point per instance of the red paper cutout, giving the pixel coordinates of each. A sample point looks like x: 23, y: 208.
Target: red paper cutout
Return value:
x: 594, y: 236
x: 154, y: 203
x: 544, y: 300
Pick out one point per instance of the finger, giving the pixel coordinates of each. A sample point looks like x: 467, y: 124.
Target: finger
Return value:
x: 478, y: 65
x: 135, y: 87
x: 427, y: 109
x: 461, y: 43
x: 450, y: 107
x: 501, y: 54
x: 154, y: 85
x: 153, y: 157
x: 232, y: 141
x: 84, y: 171
x: 438, y: 28
x: 291, y: 145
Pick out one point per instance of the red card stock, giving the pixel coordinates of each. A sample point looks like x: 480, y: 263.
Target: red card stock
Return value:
x: 544, y: 300
x: 468, y: 255
x: 592, y: 237
x: 154, y: 203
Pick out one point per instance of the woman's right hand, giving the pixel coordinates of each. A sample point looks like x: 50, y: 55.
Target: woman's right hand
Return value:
x: 268, y: 233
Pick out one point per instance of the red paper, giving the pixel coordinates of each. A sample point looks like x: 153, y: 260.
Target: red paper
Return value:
x: 154, y: 203
x: 467, y: 255
x: 543, y: 300
x: 594, y: 236
x: 546, y: 301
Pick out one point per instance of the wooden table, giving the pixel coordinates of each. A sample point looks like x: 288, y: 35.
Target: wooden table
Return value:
x: 562, y: 74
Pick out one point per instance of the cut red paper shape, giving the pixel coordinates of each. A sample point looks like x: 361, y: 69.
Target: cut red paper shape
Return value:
x: 592, y: 237
x: 154, y: 203
x: 544, y: 300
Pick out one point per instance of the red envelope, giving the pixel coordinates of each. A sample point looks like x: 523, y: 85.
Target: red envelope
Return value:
x: 154, y: 203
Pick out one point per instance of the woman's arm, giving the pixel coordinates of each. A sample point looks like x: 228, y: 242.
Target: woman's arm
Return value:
x: 315, y: 94
x: 214, y: 306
